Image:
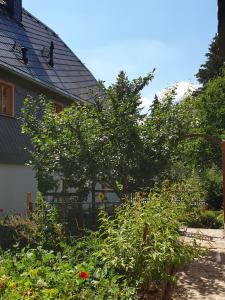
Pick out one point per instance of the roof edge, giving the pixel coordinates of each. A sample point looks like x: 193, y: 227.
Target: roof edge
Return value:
x: 45, y: 85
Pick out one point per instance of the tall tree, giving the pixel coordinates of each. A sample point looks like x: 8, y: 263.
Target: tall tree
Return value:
x: 86, y: 143
x: 221, y: 28
x: 213, y: 67
x: 110, y: 141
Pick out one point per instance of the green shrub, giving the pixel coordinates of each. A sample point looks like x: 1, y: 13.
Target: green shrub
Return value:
x: 205, y: 219
x: 49, y: 231
x: 212, y: 182
x: 129, y: 255
x: 16, y: 229
x: 41, y: 228
x: 220, y: 219
x: 188, y: 192
x: 41, y: 274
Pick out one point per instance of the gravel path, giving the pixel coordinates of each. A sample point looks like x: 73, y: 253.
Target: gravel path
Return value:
x: 205, y: 278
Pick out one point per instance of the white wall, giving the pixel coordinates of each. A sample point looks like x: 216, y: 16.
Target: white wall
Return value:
x: 15, y: 182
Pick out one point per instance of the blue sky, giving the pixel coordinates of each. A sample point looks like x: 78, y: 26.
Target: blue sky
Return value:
x: 134, y: 35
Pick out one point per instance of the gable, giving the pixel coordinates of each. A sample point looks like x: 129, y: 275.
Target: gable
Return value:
x: 68, y: 76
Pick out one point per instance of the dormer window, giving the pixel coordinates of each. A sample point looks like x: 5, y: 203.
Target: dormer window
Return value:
x: 6, y: 98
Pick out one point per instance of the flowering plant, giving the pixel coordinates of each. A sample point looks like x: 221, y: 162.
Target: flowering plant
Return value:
x: 83, y: 275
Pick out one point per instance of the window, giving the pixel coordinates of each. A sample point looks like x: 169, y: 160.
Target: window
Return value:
x: 58, y: 107
x: 6, y: 98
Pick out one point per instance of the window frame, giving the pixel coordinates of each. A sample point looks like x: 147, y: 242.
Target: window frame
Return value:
x: 59, y: 104
x: 12, y: 93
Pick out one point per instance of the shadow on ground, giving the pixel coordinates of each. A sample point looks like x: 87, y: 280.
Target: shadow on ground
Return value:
x: 204, y: 279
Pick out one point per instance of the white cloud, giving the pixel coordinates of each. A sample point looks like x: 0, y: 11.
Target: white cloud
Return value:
x: 146, y: 102
x: 183, y: 88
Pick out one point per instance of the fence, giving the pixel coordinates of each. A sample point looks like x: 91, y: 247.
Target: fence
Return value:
x: 82, y: 214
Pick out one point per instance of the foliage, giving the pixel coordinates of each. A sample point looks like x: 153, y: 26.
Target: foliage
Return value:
x: 41, y: 274
x: 57, y: 148
x: 220, y: 219
x: 49, y: 233
x: 110, y: 141
x: 188, y: 192
x: 162, y: 129
x: 41, y: 228
x: 119, y: 116
x: 213, y: 185
x: 205, y: 115
x: 211, y: 109
x: 213, y: 67
x: 15, y: 229
x: 129, y: 254
x: 89, y: 142
x: 206, y: 219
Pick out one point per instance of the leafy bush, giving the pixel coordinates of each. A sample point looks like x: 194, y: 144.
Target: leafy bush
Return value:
x: 205, y: 219
x: 187, y: 192
x: 49, y: 231
x: 16, y: 229
x: 220, y: 219
x: 142, y: 241
x: 190, y: 194
x: 212, y: 181
x: 42, y: 228
x: 41, y: 274
x: 128, y: 256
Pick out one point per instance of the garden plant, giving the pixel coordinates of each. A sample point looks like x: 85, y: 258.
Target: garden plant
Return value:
x: 127, y: 258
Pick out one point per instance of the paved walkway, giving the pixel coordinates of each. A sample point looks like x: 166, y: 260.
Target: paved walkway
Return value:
x: 205, y: 278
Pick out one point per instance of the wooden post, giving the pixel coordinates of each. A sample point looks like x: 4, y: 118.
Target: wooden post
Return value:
x: 29, y: 203
x: 223, y: 168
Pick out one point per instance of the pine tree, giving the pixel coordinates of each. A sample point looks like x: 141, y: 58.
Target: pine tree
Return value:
x: 213, y: 67
x: 155, y: 104
x: 221, y: 28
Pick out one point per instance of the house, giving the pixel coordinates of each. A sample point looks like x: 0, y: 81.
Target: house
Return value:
x: 34, y: 61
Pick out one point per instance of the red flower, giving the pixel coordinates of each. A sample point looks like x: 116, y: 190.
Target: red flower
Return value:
x: 83, y: 275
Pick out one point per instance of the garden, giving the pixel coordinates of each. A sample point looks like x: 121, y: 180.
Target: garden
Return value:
x: 129, y: 256
x: 176, y: 180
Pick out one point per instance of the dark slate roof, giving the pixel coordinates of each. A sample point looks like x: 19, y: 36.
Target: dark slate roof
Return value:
x: 68, y: 76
